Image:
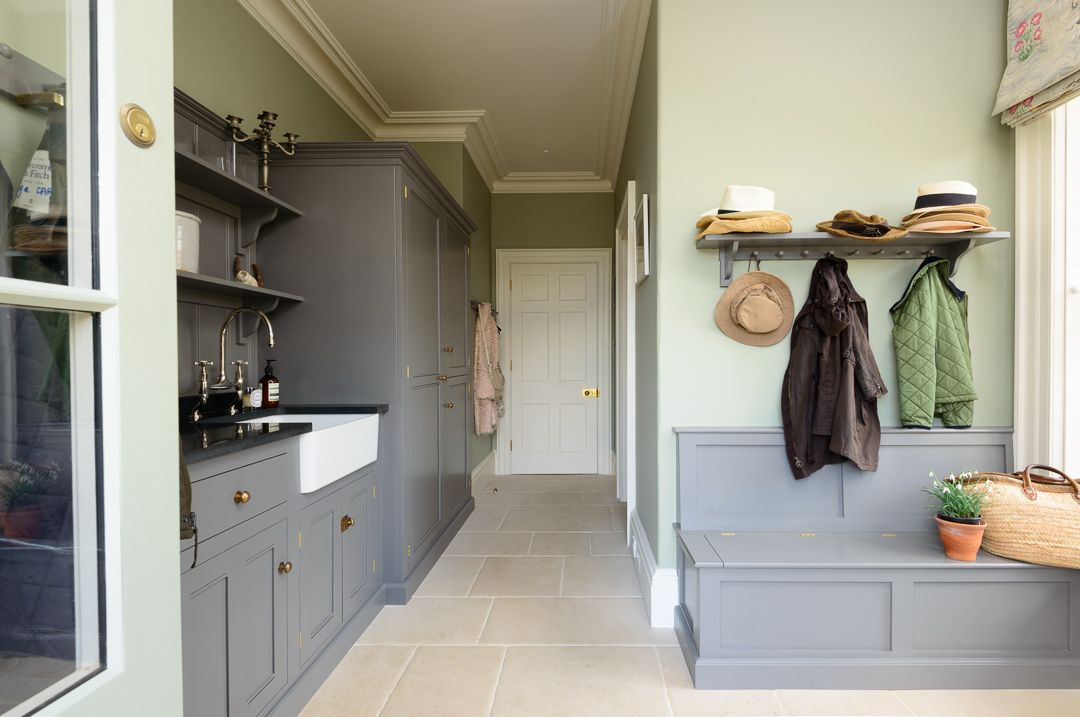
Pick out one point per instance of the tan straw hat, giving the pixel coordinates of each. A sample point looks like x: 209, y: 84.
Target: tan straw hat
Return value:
x: 949, y: 223
x: 756, y: 310
x: 866, y: 227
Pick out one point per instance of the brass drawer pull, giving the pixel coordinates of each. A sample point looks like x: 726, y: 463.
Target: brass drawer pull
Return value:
x: 347, y: 522
x: 241, y: 496
x: 443, y: 377
x: 284, y: 568
x: 449, y: 405
x: 448, y: 349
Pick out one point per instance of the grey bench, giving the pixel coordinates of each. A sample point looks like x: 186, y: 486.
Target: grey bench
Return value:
x: 839, y: 581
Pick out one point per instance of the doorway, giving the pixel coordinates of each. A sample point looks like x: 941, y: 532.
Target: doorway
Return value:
x: 556, y: 344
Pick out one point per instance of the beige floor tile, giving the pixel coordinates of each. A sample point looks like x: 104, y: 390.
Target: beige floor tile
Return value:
x: 453, y: 681
x: 599, y: 497
x: 600, y: 577
x: 429, y: 621
x: 572, y: 621
x: 556, y: 498
x: 993, y: 703
x: 593, y: 681
x: 867, y: 703
x: 608, y: 544
x: 361, y: 683
x: 489, y: 544
x: 555, y: 483
x: 502, y: 497
x: 559, y: 544
x: 689, y: 702
x: 618, y: 517
x: 484, y: 518
x: 450, y: 577
x: 518, y: 577
x: 571, y: 518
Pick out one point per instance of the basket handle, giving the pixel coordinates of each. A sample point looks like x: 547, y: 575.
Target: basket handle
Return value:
x: 1060, y: 480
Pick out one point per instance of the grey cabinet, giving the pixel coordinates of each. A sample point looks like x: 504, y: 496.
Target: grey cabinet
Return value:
x: 359, y: 571
x: 318, y: 572
x: 381, y: 257
x: 234, y: 627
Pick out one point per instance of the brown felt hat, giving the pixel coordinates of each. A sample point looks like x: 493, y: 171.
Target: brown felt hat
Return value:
x: 855, y: 225
x: 756, y: 310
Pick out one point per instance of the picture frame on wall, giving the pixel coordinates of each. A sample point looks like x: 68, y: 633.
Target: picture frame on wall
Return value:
x: 641, y: 233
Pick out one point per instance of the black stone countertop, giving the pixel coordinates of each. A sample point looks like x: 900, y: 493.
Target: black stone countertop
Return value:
x: 222, y: 435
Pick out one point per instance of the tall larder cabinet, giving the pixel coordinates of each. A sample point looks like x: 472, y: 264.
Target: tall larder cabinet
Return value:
x: 381, y: 256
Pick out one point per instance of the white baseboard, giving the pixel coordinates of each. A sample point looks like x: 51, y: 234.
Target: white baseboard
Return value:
x: 483, y: 473
x: 660, y: 586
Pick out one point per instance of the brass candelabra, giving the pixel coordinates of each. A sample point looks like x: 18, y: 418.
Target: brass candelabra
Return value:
x: 261, y: 138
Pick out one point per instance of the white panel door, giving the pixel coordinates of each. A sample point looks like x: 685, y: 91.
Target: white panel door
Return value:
x: 554, y: 350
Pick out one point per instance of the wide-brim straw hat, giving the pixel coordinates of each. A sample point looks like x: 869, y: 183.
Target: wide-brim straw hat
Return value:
x: 843, y: 224
x: 978, y: 210
x: 759, y: 223
x: 756, y: 309
x: 953, y: 195
x: 949, y: 223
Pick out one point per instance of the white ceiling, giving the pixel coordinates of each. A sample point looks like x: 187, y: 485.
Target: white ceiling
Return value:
x: 509, y: 78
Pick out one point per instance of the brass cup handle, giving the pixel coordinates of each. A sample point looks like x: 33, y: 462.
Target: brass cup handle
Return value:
x: 284, y: 568
x: 347, y: 522
x: 241, y: 496
x: 449, y: 405
x: 448, y: 349
x: 443, y: 377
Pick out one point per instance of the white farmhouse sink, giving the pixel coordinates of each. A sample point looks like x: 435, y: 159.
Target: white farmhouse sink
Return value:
x: 339, y: 443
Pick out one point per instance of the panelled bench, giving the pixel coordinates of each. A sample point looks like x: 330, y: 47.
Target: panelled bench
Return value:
x: 838, y: 581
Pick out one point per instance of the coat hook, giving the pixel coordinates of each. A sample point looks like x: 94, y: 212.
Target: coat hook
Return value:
x: 780, y: 254
x: 805, y: 253
x: 904, y: 252
x: 878, y: 252
x: 853, y: 252
x: 829, y: 253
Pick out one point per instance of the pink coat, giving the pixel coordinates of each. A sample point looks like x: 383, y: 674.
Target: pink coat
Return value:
x: 487, y: 375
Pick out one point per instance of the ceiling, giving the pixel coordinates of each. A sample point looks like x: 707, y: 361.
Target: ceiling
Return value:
x: 509, y: 78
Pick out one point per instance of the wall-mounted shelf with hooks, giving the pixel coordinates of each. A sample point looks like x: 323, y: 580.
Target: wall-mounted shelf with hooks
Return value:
x: 803, y: 246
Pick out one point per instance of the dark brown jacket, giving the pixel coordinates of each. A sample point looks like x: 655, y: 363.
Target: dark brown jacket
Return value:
x: 831, y: 387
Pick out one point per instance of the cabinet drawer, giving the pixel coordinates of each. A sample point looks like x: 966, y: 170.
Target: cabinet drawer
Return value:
x: 227, y: 499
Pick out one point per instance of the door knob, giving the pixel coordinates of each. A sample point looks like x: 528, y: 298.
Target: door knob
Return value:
x: 241, y: 496
x: 284, y: 568
x: 443, y: 377
x: 448, y: 349
x: 347, y: 522
x: 449, y: 405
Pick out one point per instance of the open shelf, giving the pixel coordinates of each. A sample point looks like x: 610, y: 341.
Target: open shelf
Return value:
x: 259, y: 297
x: 732, y: 248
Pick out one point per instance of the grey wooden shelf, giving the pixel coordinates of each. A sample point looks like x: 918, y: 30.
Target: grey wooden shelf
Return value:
x: 732, y: 248
x: 257, y: 208
x: 259, y: 297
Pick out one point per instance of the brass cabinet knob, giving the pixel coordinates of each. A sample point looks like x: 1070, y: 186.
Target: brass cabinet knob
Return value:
x: 449, y: 405
x: 347, y: 522
x: 241, y: 496
x: 443, y: 377
x: 284, y: 568
x: 448, y: 349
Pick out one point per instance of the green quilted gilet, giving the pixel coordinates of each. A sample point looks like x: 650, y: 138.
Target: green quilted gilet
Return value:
x: 933, y: 358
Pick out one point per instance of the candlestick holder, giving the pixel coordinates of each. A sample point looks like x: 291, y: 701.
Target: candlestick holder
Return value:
x: 261, y: 138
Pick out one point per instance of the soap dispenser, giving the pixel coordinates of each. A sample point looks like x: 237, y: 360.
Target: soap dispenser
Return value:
x: 271, y: 391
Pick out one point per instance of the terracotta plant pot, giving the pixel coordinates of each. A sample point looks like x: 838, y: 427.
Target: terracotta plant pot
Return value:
x: 961, y: 540
x: 23, y: 522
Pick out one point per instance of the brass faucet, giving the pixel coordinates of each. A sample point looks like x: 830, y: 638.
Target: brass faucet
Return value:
x: 222, y: 380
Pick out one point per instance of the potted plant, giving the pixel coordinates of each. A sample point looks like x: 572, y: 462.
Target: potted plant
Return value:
x: 23, y: 490
x: 959, y: 515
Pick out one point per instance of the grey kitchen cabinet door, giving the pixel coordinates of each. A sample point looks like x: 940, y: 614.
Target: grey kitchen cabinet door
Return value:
x: 454, y: 302
x: 422, y: 470
x: 357, y: 554
x: 318, y: 572
x: 423, y: 227
x: 453, y: 439
x: 204, y: 613
x: 258, y: 622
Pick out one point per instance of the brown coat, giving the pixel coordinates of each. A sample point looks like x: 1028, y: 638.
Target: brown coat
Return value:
x: 831, y: 387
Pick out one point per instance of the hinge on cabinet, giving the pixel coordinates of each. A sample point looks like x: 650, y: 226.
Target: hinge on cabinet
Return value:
x: 375, y: 491
x: 511, y: 444
x: 511, y: 364
x: 406, y: 191
x: 408, y: 551
x: 468, y: 250
x: 300, y: 639
x: 408, y: 372
x: 299, y: 539
x: 511, y: 285
x: 372, y: 566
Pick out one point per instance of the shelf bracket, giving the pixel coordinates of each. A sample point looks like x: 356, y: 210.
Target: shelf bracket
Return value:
x: 955, y: 252
x: 252, y: 220
x: 726, y: 256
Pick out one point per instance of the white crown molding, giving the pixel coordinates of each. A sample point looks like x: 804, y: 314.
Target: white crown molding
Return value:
x: 297, y: 28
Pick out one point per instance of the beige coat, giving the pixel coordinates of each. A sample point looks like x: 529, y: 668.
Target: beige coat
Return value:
x: 487, y: 375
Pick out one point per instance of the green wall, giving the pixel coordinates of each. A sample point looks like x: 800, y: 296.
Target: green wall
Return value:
x: 639, y: 163
x: 552, y: 221
x: 447, y: 161
x: 228, y: 62
x: 833, y: 104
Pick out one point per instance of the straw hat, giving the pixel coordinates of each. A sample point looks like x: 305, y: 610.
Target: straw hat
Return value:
x: 745, y: 202
x: 855, y: 225
x: 949, y: 223
x: 756, y: 310
x: 747, y: 223
x: 952, y: 195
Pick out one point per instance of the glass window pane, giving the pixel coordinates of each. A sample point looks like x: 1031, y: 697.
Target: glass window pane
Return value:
x: 50, y: 587
x: 44, y: 145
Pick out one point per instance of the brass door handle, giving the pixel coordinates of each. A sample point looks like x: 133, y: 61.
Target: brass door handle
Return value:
x: 449, y: 405
x: 448, y: 349
x: 347, y: 522
x: 241, y: 496
x: 284, y: 568
x: 443, y: 377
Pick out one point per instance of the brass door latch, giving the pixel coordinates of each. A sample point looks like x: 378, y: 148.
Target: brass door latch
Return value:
x: 347, y: 522
x: 590, y: 392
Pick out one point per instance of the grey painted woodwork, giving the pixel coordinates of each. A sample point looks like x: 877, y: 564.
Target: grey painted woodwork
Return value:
x: 213, y: 497
x: 319, y: 572
x: 454, y: 436
x: 374, y: 257
x: 844, y: 585
x: 358, y: 566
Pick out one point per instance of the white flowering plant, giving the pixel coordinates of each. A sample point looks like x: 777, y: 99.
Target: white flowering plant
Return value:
x: 959, y: 495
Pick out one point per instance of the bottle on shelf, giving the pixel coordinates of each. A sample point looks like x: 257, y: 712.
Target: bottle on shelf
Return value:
x: 271, y: 387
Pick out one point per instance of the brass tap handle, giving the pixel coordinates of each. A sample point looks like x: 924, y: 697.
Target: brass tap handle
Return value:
x: 449, y: 405
x: 284, y: 568
x: 448, y: 349
x: 241, y: 496
x: 443, y: 377
x: 347, y: 522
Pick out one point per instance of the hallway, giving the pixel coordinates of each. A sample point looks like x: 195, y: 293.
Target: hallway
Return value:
x: 535, y: 609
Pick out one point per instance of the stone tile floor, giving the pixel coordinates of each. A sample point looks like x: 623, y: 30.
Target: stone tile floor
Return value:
x: 535, y: 609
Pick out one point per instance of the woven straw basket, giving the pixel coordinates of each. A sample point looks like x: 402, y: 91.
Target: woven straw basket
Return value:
x: 1034, y: 518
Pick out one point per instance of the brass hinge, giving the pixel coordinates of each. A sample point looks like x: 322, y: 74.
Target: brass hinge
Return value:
x: 408, y: 551
x: 511, y: 364
x: 468, y: 250
x: 511, y: 444
x: 406, y: 191
x: 301, y: 639
x: 299, y: 539
x: 375, y: 491
x: 408, y: 372
x: 511, y: 285
x: 372, y: 566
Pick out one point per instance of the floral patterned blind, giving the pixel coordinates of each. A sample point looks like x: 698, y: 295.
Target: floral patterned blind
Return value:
x: 1043, y: 68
